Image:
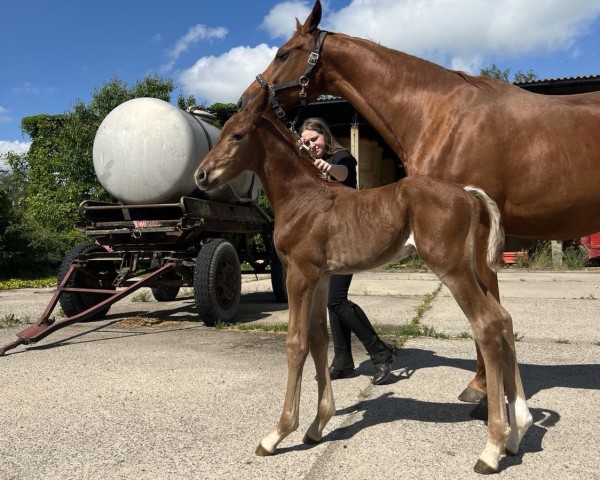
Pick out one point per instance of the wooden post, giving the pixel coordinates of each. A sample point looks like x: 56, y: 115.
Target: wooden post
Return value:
x: 557, y: 254
x: 354, y: 150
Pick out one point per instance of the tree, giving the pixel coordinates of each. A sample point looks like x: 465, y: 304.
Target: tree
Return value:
x: 57, y: 173
x: 519, y: 77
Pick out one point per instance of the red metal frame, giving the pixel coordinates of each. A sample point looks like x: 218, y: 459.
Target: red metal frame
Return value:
x: 46, y: 325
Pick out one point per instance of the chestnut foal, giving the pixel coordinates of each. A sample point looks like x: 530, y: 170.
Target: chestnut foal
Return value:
x: 322, y: 228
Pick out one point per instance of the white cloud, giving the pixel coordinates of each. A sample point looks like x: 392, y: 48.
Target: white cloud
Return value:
x: 224, y: 78
x: 14, y: 146
x: 281, y: 20
x: 461, y: 32
x: 29, y: 88
x: 4, y: 115
x: 192, y: 36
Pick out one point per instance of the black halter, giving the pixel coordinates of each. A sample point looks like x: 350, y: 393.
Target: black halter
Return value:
x: 302, y: 82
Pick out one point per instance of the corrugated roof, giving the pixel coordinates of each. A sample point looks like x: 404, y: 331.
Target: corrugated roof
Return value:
x: 583, y: 78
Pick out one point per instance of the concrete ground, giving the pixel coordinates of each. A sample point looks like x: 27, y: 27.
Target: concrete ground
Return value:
x: 169, y: 398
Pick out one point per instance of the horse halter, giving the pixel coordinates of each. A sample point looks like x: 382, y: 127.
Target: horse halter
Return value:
x: 302, y: 82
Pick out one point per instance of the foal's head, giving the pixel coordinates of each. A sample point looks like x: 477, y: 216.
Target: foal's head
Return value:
x: 239, y: 148
x: 290, y: 63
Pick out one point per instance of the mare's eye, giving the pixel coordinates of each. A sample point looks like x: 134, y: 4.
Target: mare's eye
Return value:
x: 282, y: 55
x: 237, y: 137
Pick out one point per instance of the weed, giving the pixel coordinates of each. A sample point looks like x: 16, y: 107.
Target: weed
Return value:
x: 413, y: 262
x: 262, y: 327
x: 10, y: 320
x: 365, y: 393
x: 591, y: 296
x: 563, y: 341
x: 518, y: 337
x: 465, y: 336
x: 414, y: 328
x: 596, y: 343
x: 141, y: 297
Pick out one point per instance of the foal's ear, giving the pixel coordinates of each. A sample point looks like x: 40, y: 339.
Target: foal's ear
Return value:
x: 313, y: 19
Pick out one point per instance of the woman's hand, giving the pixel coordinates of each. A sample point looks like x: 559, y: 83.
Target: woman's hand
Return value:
x: 339, y: 172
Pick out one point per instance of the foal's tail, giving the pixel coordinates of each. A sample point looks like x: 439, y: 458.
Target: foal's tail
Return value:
x: 495, y: 245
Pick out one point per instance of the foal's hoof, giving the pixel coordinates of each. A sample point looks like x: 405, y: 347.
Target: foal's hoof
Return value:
x: 483, y: 468
x: 471, y: 395
x: 309, y: 441
x: 261, y: 451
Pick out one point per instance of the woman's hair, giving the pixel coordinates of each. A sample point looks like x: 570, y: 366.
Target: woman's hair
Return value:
x: 318, y: 125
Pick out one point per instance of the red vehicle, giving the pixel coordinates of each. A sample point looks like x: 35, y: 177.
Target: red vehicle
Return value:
x: 591, y: 244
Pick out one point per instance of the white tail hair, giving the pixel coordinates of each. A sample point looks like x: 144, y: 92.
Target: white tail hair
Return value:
x: 495, y: 245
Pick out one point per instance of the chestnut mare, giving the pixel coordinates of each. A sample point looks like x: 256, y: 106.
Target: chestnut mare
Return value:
x: 537, y: 156
x: 323, y: 228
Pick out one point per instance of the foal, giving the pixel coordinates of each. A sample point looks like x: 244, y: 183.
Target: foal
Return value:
x: 324, y: 228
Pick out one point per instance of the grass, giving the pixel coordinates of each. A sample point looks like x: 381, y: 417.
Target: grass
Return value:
x: 11, y: 320
x: 562, y: 341
x: 141, y: 297
x: 415, y: 328
x: 14, y: 283
x: 541, y: 258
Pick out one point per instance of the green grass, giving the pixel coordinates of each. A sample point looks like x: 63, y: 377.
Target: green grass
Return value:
x: 14, y: 283
x: 11, y: 320
x: 141, y: 297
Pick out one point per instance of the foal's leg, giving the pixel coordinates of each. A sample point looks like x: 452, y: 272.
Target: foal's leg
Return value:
x: 300, y: 295
x: 487, y: 328
x: 519, y: 416
x: 319, y: 342
x: 476, y: 389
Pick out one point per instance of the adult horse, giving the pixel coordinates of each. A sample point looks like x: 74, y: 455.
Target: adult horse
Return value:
x: 324, y: 228
x: 537, y: 156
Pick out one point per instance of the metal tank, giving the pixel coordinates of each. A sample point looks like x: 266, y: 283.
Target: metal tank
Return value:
x: 146, y: 151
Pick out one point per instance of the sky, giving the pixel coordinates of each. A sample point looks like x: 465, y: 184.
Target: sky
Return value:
x: 55, y: 53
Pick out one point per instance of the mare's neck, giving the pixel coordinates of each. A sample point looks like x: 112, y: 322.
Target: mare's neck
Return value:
x: 397, y: 93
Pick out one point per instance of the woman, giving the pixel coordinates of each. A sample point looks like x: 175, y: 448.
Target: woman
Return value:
x: 345, y: 317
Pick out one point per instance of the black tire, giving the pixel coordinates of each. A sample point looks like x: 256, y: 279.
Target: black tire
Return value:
x: 165, y: 294
x: 278, y: 279
x: 74, y: 303
x: 217, y: 282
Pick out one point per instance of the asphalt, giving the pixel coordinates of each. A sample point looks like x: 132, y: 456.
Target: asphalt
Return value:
x: 149, y: 393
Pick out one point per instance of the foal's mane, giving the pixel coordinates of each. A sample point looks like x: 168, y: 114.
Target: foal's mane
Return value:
x: 287, y: 142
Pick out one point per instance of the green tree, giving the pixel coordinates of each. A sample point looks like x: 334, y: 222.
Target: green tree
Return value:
x: 222, y: 111
x: 494, y: 71
x: 57, y: 173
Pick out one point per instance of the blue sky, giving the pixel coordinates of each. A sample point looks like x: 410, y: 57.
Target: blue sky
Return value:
x: 54, y: 53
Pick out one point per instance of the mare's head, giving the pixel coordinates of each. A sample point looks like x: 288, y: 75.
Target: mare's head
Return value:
x: 291, y: 64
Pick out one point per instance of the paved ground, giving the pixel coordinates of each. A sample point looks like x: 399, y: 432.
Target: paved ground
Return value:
x: 177, y: 400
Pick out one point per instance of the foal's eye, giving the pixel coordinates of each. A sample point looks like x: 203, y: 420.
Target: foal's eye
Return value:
x: 237, y: 137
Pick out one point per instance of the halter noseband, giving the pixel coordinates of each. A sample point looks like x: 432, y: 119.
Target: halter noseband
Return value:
x: 302, y: 82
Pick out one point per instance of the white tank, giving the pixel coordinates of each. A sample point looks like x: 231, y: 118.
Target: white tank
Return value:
x: 147, y: 150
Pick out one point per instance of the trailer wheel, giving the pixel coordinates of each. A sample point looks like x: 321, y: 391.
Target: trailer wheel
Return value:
x: 165, y: 294
x: 217, y: 282
x: 74, y: 303
x: 278, y: 278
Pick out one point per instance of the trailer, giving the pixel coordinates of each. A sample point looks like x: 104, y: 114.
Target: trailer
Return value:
x: 161, y: 232
x: 197, y: 243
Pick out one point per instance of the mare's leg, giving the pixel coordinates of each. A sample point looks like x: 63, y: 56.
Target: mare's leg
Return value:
x: 318, y: 344
x: 300, y: 295
x: 476, y: 389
